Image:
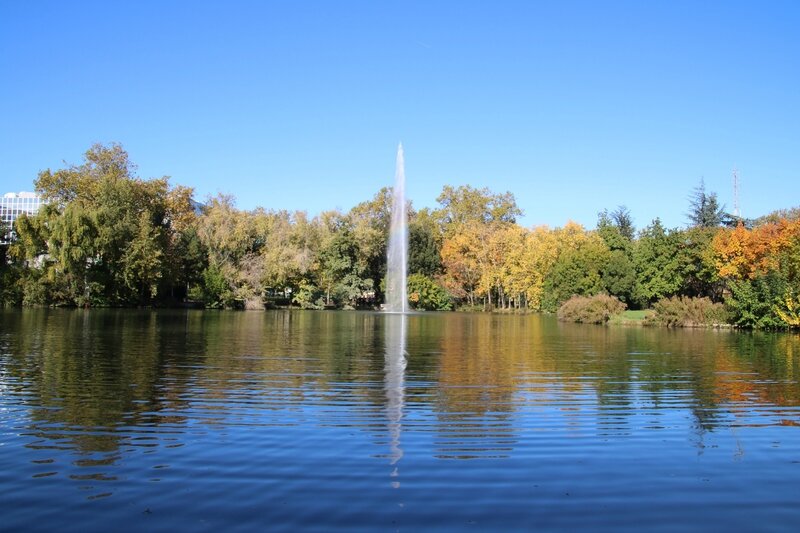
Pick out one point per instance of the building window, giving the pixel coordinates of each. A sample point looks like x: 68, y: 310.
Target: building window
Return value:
x: 14, y: 204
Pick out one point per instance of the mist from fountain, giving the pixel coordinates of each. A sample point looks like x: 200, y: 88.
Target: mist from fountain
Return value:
x: 397, y: 255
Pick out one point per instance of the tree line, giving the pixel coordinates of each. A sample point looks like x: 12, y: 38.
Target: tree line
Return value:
x: 109, y: 238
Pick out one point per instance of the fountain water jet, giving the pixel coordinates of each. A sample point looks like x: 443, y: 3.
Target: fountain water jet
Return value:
x: 396, y: 302
x: 397, y: 255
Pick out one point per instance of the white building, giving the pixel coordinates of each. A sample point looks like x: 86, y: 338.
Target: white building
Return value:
x: 13, y: 204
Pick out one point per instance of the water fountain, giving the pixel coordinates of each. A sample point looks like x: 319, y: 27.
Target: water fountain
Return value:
x: 397, y: 256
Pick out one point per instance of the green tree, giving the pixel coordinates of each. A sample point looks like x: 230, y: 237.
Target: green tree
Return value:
x: 105, y: 237
x: 696, y: 263
x: 657, y: 264
x: 188, y: 261
x: 754, y: 303
x: 424, y: 244
x: 142, y: 260
x: 577, y: 271
x: 5, y: 237
x: 704, y: 208
x: 184, y: 257
x: 73, y: 248
x: 368, y: 222
x: 619, y: 276
x: 340, y: 273
x: 616, y: 230
x: 216, y: 290
x: 9, y: 272
x: 623, y: 220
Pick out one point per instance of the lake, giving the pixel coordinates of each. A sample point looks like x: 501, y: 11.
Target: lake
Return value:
x: 320, y: 420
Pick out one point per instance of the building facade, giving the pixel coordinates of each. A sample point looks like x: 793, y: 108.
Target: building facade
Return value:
x: 14, y: 204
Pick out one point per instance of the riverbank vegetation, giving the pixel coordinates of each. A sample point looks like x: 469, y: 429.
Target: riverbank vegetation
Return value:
x: 597, y: 309
x: 107, y: 237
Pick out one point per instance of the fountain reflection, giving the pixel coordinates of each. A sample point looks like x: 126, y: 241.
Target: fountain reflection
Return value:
x: 394, y: 386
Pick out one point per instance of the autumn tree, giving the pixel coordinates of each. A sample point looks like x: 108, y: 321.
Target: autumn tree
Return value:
x: 578, y: 269
x: 740, y: 253
x: 232, y: 243
x: 369, y: 223
x: 492, y: 252
x: 531, y: 264
x: 185, y: 257
x: 461, y: 261
x: 102, y: 164
x: 762, y: 270
x: 465, y: 204
x: 516, y: 275
x: 287, y: 254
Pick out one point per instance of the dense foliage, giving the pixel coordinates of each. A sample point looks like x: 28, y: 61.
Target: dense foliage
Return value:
x: 109, y: 238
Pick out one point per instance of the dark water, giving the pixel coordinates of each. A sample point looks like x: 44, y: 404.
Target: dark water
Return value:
x: 224, y: 421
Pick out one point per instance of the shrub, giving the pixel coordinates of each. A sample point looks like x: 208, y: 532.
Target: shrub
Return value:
x: 687, y: 312
x: 425, y: 293
x: 309, y: 296
x: 590, y: 309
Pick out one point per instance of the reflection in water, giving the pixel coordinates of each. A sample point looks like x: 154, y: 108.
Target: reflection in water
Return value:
x: 275, y: 419
x: 394, y: 385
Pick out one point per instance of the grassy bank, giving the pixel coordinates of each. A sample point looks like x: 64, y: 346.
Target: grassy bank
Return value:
x: 631, y: 318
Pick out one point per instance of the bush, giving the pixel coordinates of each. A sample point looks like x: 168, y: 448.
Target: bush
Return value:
x: 590, y: 309
x: 309, y: 296
x: 425, y: 293
x: 687, y: 312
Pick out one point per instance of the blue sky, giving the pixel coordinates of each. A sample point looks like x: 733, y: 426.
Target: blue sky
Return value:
x: 572, y: 106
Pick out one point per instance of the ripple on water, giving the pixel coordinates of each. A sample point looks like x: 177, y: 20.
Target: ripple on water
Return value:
x: 293, y: 420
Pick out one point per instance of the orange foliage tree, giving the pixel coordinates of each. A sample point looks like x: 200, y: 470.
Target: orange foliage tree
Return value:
x: 741, y: 253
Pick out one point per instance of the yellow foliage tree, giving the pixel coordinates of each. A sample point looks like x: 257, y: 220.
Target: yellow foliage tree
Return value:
x: 789, y: 310
x: 460, y: 259
x: 530, y: 263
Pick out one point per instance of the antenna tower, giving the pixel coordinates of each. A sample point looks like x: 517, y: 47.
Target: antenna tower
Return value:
x: 736, y: 211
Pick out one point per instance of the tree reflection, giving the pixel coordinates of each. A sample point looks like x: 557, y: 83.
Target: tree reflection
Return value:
x: 89, y: 382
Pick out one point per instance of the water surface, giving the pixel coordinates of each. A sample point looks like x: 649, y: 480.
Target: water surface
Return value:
x: 163, y: 421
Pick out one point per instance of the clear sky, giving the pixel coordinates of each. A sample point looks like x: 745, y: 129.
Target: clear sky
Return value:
x: 572, y: 106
